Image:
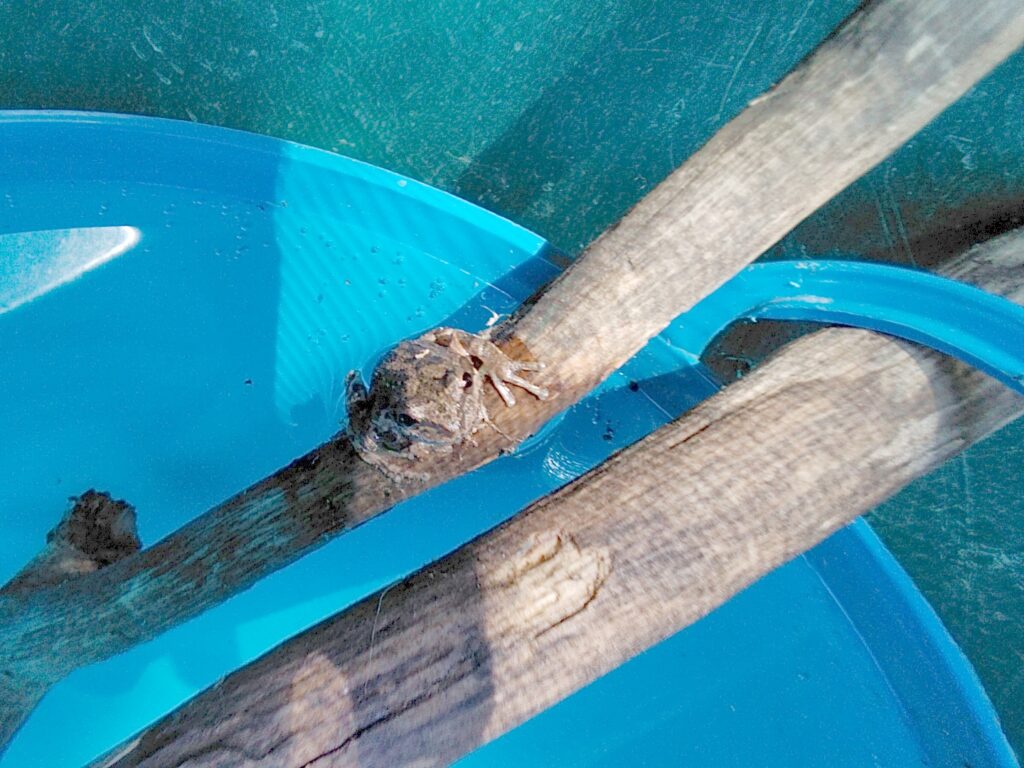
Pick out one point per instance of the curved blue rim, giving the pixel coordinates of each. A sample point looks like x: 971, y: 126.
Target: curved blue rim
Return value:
x: 873, y: 588
x: 982, y: 329
x: 161, y: 128
x: 762, y: 296
x: 979, y: 328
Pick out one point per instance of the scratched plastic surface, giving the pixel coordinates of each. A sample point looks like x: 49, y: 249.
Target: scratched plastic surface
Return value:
x: 560, y: 114
x: 178, y: 306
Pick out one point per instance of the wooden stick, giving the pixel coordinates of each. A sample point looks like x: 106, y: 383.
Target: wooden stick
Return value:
x: 887, y: 72
x: 655, y: 538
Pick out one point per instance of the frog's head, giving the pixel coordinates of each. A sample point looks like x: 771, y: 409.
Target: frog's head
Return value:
x: 416, y: 403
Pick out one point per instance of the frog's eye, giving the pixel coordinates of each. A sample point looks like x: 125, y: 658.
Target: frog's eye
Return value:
x: 405, y: 420
x: 394, y: 440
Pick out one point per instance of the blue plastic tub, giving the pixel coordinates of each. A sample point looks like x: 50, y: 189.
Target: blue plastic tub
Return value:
x: 178, y: 308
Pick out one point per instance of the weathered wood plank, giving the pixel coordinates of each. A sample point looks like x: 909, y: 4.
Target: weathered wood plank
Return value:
x: 883, y: 75
x: 655, y: 538
x: 894, y: 66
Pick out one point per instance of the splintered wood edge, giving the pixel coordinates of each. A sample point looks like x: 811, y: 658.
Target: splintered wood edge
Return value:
x: 96, y: 532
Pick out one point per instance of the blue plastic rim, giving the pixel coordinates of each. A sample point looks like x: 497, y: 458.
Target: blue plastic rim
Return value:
x: 977, y: 327
x: 231, y: 280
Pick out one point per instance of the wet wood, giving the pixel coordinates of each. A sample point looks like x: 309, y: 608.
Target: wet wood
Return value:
x: 887, y: 72
x: 655, y: 538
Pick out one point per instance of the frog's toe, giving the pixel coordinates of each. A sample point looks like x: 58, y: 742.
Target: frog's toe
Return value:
x: 527, y: 365
x: 539, y: 392
x: 491, y: 362
x: 506, y: 372
x: 503, y: 370
x: 503, y: 391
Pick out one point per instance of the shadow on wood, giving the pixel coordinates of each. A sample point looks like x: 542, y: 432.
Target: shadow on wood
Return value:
x: 581, y: 581
x: 889, y: 70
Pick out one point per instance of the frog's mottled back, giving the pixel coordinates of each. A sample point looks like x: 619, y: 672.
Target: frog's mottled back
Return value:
x: 426, y: 398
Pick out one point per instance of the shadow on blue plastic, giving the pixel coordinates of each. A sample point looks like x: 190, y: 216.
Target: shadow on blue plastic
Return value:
x: 982, y: 329
x: 230, y: 281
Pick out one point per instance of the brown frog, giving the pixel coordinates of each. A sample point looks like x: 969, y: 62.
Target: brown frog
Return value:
x: 426, y: 398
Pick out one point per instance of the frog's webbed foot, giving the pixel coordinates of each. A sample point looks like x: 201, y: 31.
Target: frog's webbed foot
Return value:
x: 489, y: 361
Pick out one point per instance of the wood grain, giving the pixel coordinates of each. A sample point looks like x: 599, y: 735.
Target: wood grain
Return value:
x: 653, y: 539
x: 892, y: 67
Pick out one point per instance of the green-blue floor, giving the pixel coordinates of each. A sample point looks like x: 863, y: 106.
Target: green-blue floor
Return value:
x: 560, y: 114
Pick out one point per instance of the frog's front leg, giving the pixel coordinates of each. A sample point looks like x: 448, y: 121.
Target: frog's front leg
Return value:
x: 490, y: 362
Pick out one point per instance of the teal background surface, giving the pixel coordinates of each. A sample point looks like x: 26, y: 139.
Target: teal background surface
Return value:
x: 560, y: 115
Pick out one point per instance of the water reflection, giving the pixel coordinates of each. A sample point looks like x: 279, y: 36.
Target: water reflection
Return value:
x: 367, y: 258
x: 34, y: 263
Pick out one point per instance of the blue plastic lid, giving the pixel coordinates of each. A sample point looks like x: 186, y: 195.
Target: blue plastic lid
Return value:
x: 178, y: 308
